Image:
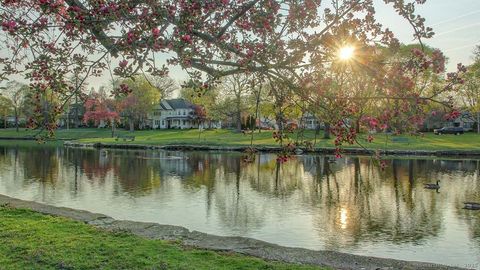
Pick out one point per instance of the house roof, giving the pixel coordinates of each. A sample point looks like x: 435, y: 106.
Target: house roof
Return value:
x: 179, y: 118
x: 179, y: 103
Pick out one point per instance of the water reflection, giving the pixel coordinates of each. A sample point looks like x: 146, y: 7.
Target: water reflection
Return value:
x: 350, y: 205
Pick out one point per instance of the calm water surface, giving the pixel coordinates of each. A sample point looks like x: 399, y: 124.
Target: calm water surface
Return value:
x: 350, y: 206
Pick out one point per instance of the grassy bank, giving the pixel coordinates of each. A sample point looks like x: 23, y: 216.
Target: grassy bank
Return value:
x: 468, y: 141
x: 29, y: 240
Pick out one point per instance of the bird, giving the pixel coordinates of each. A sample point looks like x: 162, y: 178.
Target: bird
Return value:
x: 432, y: 186
x: 471, y: 205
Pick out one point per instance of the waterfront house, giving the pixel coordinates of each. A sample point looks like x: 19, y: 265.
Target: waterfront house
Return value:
x: 173, y: 113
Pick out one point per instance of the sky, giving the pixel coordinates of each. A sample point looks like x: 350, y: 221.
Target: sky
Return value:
x: 456, y: 24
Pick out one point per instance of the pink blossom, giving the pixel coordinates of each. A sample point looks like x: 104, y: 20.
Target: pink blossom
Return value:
x: 187, y: 39
x: 123, y: 63
x: 155, y: 32
x: 373, y: 122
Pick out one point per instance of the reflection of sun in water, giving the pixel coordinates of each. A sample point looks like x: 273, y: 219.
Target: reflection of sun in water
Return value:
x: 343, y: 218
x: 346, y: 53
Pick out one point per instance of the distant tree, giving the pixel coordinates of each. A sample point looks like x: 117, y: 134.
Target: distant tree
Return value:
x: 139, y: 102
x: 79, y: 87
x: 6, y: 107
x: 99, y: 108
x: 209, y: 101
x: 16, y: 92
x: 470, y: 92
x: 237, y: 87
x: 165, y: 85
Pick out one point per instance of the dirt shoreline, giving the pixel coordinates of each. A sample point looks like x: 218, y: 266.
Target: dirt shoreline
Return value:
x: 274, y: 149
x: 243, y: 245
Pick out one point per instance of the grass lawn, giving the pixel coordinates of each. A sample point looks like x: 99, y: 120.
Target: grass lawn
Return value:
x: 29, y: 240
x: 468, y: 141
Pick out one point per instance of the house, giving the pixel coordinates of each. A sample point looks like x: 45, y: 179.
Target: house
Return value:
x: 173, y: 113
x: 309, y: 121
x: 434, y: 121
x: 10, y: 121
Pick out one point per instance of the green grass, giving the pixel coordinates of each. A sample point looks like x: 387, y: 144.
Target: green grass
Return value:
x: 468, y: 141
x: 29, y: 240
x: 62, y: 134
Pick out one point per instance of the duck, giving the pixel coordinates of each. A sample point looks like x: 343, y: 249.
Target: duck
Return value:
x: 432, y: 186
x: 471, y: 205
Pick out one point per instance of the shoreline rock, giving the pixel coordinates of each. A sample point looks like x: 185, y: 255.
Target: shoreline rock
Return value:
x: 274, y: 149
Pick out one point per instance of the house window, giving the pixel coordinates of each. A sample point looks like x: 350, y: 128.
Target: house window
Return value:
x: 184, y: 122
x: 184, y: 112
x: 163, y: 123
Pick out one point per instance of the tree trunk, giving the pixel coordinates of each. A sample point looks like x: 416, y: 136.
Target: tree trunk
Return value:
x: 326, y: 135
x: 16, y: 119
x: 478, y: 122
x: 130, y: 123
x: 279, y: 120
x: 76, y: 111
x: 68, y: 118
x: 357, y: 125
x: 239, y: 120
x: 317, y: 131
x: 112, y: 123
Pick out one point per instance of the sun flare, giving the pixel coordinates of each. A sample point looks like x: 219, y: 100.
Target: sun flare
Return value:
x: 346, y: 53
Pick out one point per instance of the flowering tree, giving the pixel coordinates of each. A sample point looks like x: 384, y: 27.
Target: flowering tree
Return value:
x: 399, y: 91
x: 293, y: 43
x: 99, y: 108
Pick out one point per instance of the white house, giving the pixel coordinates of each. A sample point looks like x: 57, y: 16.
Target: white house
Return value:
x: 173, y: 113
x: 309, y: 121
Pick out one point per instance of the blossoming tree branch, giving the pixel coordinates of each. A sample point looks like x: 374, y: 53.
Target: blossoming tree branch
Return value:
x: 333, y: 57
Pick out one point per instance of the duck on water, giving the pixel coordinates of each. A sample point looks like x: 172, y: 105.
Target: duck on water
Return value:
x: 433, y: 186
x: 471, y: 205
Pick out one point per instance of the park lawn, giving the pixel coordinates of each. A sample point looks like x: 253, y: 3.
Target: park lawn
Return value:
x: 224, y: 137
x: 61, y: 134
x: 30, y: 240
x: 468, y: 141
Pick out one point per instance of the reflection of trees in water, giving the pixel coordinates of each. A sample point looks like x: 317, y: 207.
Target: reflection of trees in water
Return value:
x: 223, y: 178
x: 270, y: 178
x: 41, y: 165
x: 88, y: 162
x: 390, y: 205
x: 351, y: 200
x: 471, y: 194
x: 135, y: 172
x: 236, y: 206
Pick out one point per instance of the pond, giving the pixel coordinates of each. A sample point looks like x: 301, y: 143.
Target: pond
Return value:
x: 349, y: 206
